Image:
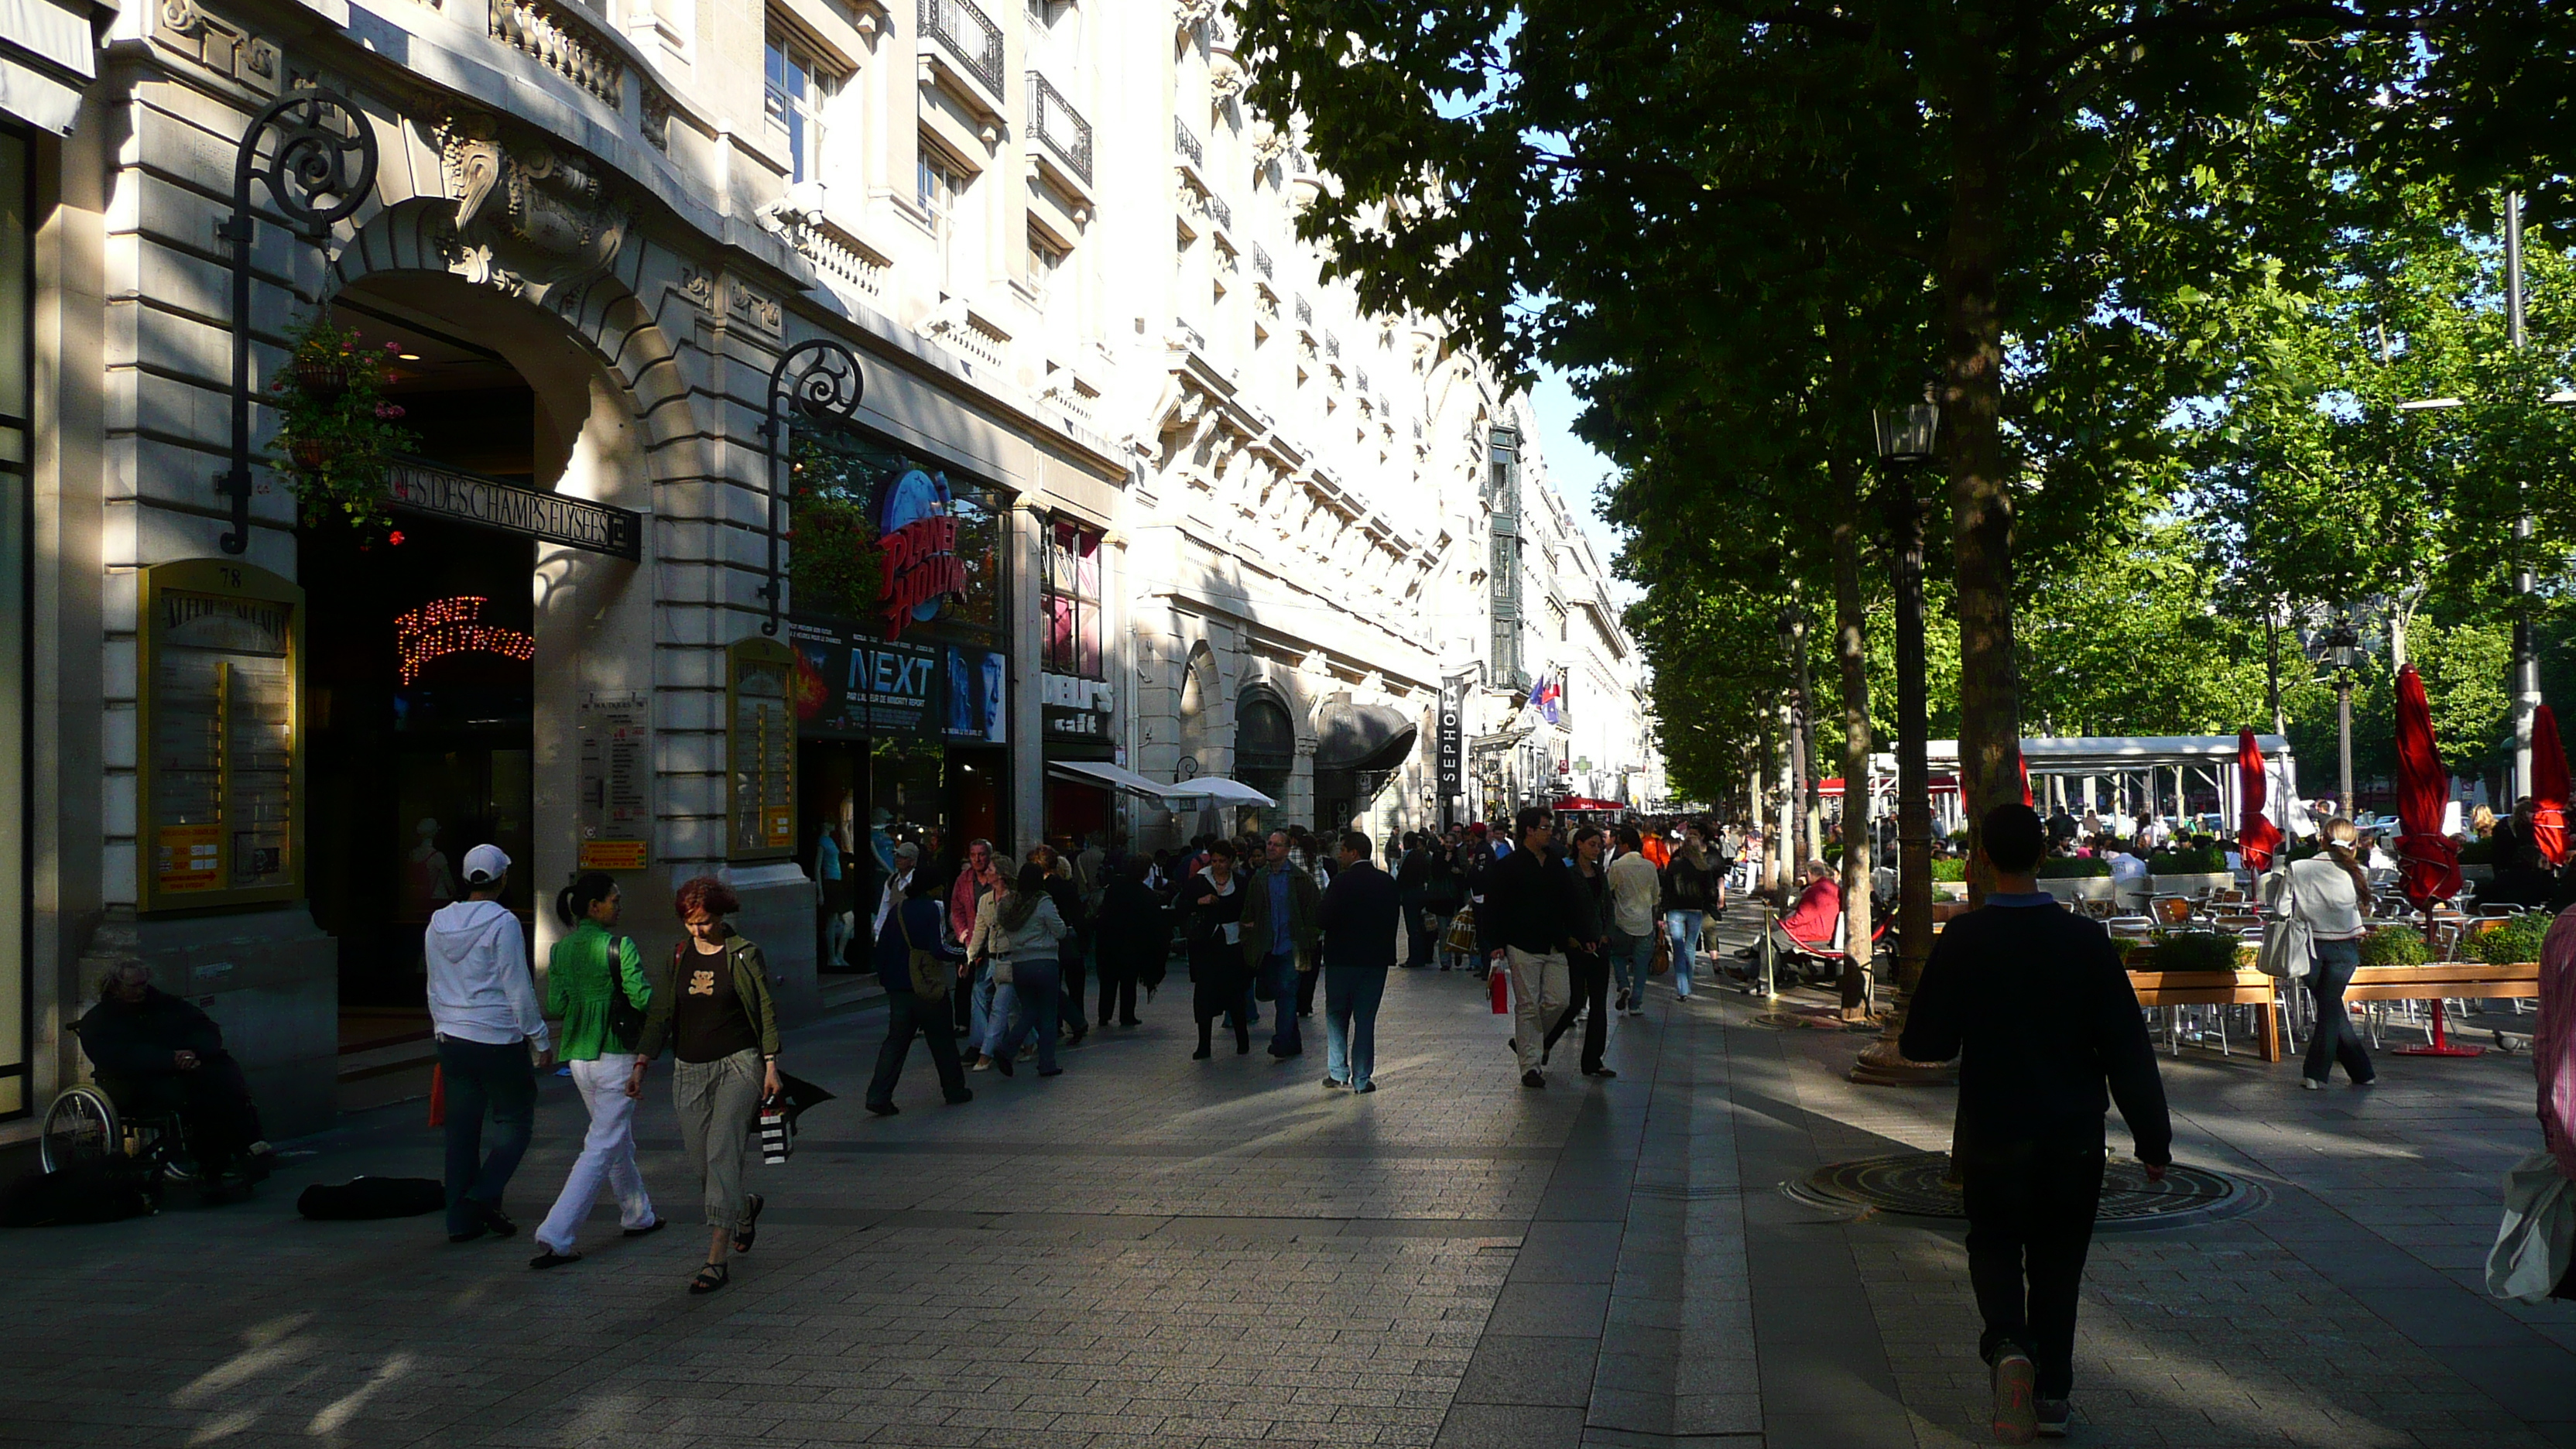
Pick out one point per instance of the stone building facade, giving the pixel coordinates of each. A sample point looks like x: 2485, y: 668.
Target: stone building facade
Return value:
x: 1188, y: 487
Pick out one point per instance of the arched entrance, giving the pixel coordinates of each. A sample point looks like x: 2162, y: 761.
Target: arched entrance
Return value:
x: 449, y: 669
x: 1265, y: 742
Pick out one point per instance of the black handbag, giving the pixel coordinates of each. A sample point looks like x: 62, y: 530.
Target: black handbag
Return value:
x: 625, y: 1018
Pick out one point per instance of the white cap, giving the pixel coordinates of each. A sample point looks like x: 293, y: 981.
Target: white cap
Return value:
x: 485, y: 864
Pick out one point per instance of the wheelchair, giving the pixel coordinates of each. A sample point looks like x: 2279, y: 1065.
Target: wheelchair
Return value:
x: 83, y: 1125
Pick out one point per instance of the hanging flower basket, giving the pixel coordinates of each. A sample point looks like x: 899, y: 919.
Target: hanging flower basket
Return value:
x: 336, y: 431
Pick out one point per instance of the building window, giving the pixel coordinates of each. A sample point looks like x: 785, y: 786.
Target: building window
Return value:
x: 798, y: 87
x: 942, y: 191
x: 1073, y: 600
x: 1045, y: 260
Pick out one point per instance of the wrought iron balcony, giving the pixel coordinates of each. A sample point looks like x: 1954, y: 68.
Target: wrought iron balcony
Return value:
x: 1187, y: 144
x: 1060, y: 126
x: 1260, y: 260
x: 1332, y: 345
x: 968, y: 34
x: 1223, y: 213
x: 1305, y: 311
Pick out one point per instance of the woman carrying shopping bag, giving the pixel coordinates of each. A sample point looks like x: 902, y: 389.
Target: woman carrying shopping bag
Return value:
x: 712, y: 1006
x: 595, y: 986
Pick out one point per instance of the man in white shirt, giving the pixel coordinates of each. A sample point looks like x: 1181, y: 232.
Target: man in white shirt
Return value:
x: 1635, y: 885
x: 907, y: 859
x: 2153, y: 833
x: 483, y: 1009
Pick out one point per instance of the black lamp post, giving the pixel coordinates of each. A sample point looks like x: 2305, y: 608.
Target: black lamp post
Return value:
x: 820, y: 380
x: 1908, y: 441
x: 319, y: 172
x: 2340, y: 647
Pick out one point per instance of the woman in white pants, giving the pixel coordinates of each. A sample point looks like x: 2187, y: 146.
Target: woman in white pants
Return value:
x: 586, y: 967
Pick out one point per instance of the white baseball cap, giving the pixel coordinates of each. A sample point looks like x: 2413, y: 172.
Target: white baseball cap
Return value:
x: 485, y: 864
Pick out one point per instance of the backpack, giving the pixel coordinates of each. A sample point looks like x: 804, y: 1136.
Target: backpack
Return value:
x: 625, y: 1018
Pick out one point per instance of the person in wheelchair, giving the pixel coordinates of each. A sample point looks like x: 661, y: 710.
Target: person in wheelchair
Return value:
x: 1808, y: 929
x: 157, y: 1055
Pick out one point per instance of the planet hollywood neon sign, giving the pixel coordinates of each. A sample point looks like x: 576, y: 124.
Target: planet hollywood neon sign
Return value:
x: 917, y: 542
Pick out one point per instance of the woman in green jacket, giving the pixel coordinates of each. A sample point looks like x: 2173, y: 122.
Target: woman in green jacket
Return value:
x: 712, y: 1005
x: 585, y: 968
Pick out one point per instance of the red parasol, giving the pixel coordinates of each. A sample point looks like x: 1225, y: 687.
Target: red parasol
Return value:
x: 2548, y: 788
x: 2022, y: 762
x: 2428, y: 863
x: 2256, y: 835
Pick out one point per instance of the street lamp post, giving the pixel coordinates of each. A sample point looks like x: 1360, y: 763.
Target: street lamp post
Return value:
x: 2345, y: 647
x: 1908, y: 440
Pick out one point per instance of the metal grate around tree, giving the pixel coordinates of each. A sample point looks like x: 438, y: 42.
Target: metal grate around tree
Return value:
x: 970, y: 35
x: 1060, y: 126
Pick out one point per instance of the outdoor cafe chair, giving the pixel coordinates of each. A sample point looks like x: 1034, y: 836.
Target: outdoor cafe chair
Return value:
x: 2169, y: 910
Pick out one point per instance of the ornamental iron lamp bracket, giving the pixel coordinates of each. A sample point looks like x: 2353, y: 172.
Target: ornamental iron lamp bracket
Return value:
x: 320, y: 169
x: 819, y: 383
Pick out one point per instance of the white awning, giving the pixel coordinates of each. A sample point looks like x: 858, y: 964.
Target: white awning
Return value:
x: 1207, y: 789
x: 48, y: 53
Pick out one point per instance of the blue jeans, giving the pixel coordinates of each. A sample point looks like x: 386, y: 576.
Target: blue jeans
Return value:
x: 482, y: 1078
x: 979, y: 1020
x: 1037, y: 991
x: 1632, y: 960
x: 2335, y: 1040
x: 1685, y: 928
x: 1351, y: 995
x: 1284, y: 1036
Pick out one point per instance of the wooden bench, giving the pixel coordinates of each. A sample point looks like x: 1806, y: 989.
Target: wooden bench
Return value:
x: 2458, y: 980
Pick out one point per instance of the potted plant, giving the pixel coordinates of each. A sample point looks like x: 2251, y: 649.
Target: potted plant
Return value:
x: 2514, y: 942
x: 2190, y: 869
x: 335, y: 427
x: 2395, y: 946
x: 2070, y: 878
x: 1950, y: 878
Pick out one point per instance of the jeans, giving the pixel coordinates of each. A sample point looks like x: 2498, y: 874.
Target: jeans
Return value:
x: 1351, y: 995
x: 906, y: 1015
x: 1587, y: 980
x: 2030, y: 1222
x: 980, y: 1013
x: 1282, y: 969
x: 716, y: 1101
x: 480, y: 1078
x: 1632, y: 960
x: 2335, y: 1039
x: 1685, y: 928
x: 607, y: 1152
x: 1037, y: 991
x: 1540, y: 986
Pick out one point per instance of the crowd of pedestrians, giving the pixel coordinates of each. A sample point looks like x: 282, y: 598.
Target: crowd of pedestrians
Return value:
x: 989, y: 963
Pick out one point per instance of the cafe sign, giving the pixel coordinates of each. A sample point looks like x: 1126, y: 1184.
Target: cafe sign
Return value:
x: 1071, y: 709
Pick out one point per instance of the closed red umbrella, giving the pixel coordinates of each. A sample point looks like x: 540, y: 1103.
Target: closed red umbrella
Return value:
x: 2428, y: 863
x: 2022, y: 762
x: 2256, y: 836
x: 2548, y: 788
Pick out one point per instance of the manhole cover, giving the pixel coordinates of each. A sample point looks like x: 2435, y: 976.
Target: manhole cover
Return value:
x: 1911, y: 1184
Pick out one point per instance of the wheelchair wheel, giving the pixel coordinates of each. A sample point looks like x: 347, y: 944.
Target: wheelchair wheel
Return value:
x: 79, y: 1127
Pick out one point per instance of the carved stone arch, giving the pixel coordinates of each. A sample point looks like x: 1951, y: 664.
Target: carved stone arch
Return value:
x: 1206, y: 710
x: 601, y: 311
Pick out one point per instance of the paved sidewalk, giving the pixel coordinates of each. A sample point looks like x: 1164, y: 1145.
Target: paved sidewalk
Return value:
x: 1153, y: 1251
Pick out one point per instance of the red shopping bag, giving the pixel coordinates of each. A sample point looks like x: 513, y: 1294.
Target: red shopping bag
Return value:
x: 1502, y: 985
x: 437, y: 1096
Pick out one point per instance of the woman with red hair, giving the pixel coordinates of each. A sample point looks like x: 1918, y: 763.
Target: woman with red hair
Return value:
x: 712, y: 1005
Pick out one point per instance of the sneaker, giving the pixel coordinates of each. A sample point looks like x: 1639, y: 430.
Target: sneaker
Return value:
x: 2312, y: 1084
x: 1623, y: 1002
x: 2016, y: 1418
x: 2052, y: 1415
x: 1334, y: 1084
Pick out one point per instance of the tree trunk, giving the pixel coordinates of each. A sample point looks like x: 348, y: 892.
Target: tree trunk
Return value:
x: 1851, y: 651
x: 1972, y: 412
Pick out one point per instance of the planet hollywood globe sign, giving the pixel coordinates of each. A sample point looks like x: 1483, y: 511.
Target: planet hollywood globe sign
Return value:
x: 917, y: 541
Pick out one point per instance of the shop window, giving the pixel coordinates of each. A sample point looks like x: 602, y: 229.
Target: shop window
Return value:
x: 1073, y: 600
x: 798, y: 88
x: 846, y: 489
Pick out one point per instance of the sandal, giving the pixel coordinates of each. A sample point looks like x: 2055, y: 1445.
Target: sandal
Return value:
x: 750, y: 1229
x: 710, y: 1278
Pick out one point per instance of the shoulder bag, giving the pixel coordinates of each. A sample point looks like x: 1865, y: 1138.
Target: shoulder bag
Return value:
x: 2288, y: 945
x: 929, y: 973
x: 625, y: 1018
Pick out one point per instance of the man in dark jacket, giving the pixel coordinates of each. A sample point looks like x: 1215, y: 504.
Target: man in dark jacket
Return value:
x: 1537, y: 919
x: 2035, y: 1004
x: 1281, y: 919
x: 1359, y: 917
x: 155, y: 1053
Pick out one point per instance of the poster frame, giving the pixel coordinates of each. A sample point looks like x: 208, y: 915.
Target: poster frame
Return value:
x: 221, y: 577
x: 756, y: 650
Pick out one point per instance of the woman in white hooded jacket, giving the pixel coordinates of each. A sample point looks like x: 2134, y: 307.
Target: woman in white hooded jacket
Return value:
x: 483, y: 1009
x: 1020, y: 928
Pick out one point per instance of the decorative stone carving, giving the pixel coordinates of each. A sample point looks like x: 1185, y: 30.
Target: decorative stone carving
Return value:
x: 656, y: 105
x: 1225, y: 78
x: 699, y: 287
x: 219, y: 45
x: 832, y: 250
x: 526, y: 212
x: 744, y: 304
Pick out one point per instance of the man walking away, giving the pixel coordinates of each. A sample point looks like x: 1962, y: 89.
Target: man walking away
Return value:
x: 1633, y: 888
x: 2034, y: 1003
x: 1281, y: 917
x: 1537, y: 920
x: 483, y: 1009
x: 1358, y: 915
x: 1412, y: 884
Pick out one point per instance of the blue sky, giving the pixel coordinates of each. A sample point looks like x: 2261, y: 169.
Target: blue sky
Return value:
x: 1578, y: 470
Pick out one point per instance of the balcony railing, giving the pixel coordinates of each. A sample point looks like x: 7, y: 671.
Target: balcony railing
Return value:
x: 1060, y: 126
x: 1260, y: 260
x: 970, y: 35
x: 1187, y: 144
x: 1223, y: 213
x: 1305, y: 311
x: 1332, y: 345
x: 1363, y: 376
x: 566, y: 41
